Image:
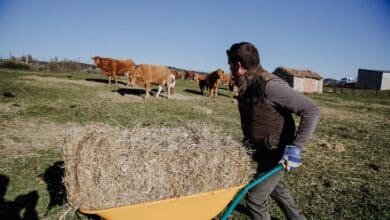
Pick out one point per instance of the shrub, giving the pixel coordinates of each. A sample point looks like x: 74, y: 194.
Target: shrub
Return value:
x: 13, y: 64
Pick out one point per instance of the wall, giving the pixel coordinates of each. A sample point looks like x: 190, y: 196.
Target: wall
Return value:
x: 369, y: 79
x: 385, y: 81
x: 308, y: 85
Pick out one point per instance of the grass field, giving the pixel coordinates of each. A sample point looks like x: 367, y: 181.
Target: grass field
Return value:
x: 345, y: 174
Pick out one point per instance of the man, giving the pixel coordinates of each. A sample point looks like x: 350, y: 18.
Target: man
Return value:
x: 266, y: 104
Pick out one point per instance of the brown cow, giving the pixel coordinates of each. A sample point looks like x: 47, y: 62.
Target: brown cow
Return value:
x: 198, y: 77
x: 226, y: 78
x: 233, y: 88
x: 213, y: 81
x: 189, y: 75
x: 176, y: 74
x: 145, y: 75
x: 111, y: 67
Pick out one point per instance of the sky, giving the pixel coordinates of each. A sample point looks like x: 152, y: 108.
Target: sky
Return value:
x: 331, y: 37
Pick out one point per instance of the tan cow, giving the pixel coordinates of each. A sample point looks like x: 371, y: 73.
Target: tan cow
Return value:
x: 112, y: 67
x: 145, y: 75
x: 226, y: 79
x: 198, y: 77
x: 213, y: 82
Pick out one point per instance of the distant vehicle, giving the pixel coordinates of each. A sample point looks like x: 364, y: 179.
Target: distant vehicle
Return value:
x: 330, y: 82
x: 346, y: 82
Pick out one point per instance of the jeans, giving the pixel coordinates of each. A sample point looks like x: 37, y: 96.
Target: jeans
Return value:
x: 273, y: 186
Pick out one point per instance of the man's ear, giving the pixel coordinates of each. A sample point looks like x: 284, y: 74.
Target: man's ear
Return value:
x: 239, y: 66
x: 236, y: 66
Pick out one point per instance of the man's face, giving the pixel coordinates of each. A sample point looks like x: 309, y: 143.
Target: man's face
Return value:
x: 234, y: 69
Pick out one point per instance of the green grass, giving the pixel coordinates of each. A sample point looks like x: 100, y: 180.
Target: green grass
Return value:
x: 346, y: 164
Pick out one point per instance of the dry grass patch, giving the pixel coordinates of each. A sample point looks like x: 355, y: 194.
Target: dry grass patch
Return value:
x: 23, y: 136
x: 202, y: 109
x: 108, y: 167
x: 52, y: 81
x: 11, y: 108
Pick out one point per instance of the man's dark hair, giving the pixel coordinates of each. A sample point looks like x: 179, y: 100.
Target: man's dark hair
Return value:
x: 245, y: 53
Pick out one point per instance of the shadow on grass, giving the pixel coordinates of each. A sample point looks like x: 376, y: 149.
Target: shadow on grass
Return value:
x: 53, y: 178
x: 12, y: 209
x: 57, y: 192
x: 140, y: 92
x: 105, y: 81
x: 131, y: 91
x: 196, y: 92
x: 221, y: 94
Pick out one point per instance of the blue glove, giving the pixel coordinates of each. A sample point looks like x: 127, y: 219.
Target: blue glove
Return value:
x: 292, y: 157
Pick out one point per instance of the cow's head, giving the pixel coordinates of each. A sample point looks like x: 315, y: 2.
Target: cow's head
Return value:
x: 96, y: 60
x: 134, y: 76
x: 220, y: 73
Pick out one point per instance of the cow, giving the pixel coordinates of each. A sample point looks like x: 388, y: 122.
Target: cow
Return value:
x: 226, y: 79
x: 112, y: 67
x: 198, y: 77
x: 176, y: 74
x: 213, y: 81
x: 233, y: 88
x: 146, y: 74
x: 189, y: 75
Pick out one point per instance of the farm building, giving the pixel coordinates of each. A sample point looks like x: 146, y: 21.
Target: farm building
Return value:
x: 301, y: 80
x: 373, y: 79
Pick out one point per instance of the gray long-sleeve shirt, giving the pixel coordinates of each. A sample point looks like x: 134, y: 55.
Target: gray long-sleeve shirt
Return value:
x: 279, y: 93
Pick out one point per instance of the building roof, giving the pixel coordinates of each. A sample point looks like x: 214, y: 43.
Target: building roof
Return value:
x: 297, y: 73
x: 371, y: 70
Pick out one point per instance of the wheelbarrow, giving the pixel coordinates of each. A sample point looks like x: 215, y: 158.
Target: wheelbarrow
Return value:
x: 194, y: 207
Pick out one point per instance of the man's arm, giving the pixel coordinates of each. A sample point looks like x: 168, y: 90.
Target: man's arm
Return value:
x: 280, y: 93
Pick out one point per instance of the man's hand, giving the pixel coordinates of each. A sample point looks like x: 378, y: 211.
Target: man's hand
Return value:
x: 292, y: 157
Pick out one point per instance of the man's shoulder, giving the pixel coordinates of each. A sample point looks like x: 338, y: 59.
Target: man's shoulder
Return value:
x: 276, y: 81
x: 267, y: 76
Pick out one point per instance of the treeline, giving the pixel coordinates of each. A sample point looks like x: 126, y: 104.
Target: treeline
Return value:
x: 28, y: 63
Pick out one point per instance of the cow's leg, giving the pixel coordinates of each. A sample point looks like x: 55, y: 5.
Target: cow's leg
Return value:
x: 147, y: 90
x: 160, y: 87
x: 127, y: 74
x: 114, y: 72
x: 109, y: 80
x: 116, y: 83
x: 169, y: 91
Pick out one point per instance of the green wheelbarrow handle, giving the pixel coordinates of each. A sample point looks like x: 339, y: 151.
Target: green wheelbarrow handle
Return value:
x: 250, y: 185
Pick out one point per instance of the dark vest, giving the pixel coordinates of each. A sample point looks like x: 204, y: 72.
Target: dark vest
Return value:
x: 267, y: 127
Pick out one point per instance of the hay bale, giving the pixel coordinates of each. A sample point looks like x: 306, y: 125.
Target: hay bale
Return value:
x: 109, y: 167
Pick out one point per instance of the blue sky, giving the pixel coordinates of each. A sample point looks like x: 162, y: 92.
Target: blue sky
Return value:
x: 331, y: 37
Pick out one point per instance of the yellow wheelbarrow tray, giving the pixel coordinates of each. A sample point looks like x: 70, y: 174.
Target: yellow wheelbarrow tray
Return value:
x: 199, y: 206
